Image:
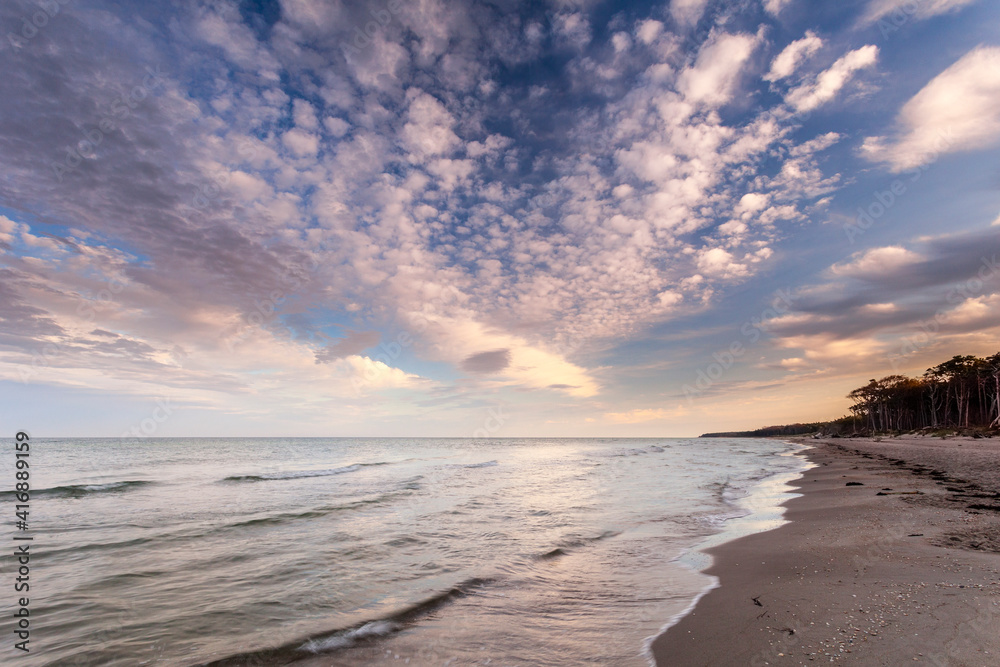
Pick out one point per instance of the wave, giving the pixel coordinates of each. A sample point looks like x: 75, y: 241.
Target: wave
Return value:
x: 308, y: 514
x: 209, y: 531
x: 82, y: 490
x: 300, y: 474
x: 632, y: 451
x: 484, y: 464
x: 364, y: 632
x: 555, y: 553
x: 574, y: 542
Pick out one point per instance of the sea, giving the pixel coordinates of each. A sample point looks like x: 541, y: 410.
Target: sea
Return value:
x: 376, y: 551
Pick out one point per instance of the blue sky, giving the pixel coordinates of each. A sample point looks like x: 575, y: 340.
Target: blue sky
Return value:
x: 416, y: 218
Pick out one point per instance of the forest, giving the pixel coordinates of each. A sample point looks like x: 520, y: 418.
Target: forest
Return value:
x: 963, y: 392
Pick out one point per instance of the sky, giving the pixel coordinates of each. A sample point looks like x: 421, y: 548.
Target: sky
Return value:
x: 488, y: 219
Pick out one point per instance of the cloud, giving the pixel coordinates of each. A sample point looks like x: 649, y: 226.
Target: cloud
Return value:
x: 300, y: 142
x: 884, y: 297
x: 713, y: 78
x: 751, y: 202
x: 221, y: 26
x: 687, y: 12
x: 428, y: 130
x: 721, y: 263
x: 810, y: 96
x: 920, y: 9
x: 572, y: 29
x: 487, y: 362
x: 876, y: 262
x: 304, y: 115
x: 354, y: 343
x: 786, y: 62
x: 305, y: 181
x: 774, y: 7
x: 958, y: 110
x: 337, y: 127
x: 648, y: 31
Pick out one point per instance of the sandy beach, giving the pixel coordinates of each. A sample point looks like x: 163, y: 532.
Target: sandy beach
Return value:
x: 891, y: 557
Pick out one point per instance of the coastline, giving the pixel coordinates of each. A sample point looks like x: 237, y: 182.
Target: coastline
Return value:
x: 762, y: 507
x: 912, y: 575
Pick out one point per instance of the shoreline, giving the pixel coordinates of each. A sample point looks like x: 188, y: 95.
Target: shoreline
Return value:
x: 912, y: 575
x: 764, y: 505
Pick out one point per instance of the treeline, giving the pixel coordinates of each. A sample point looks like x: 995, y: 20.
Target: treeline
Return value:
x: 963, y: 392
x: 770, y: 431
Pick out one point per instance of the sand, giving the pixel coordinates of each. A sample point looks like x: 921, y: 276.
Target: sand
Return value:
x: 859, y: 578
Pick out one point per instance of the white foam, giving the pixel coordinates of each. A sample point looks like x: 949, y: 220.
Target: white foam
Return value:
x: 349, y: 637
x: 761, y: 509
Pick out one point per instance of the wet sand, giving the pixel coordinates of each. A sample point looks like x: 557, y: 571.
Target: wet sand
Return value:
x: 858, y: 578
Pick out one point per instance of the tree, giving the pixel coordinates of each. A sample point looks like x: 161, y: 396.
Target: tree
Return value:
x: 964, y: 387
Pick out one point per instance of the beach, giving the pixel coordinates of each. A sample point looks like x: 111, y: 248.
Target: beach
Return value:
x: 891, y: 556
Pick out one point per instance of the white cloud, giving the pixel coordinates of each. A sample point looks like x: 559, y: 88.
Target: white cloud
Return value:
x: 7, y: 229
x: 687, y: 12
x: 670, y: 298
x: 809, y: 96
x: 820, y: 143
x: 958, y: 110
x: 224, y: 29
x: 876, y: 262
x: 720, y: 263
x: 314, y: 15
x: 573, y: 29
x: 304, y: 115
x: 621, y: 42
x: 428, y: 130
x: 373, y: 374
x: 249, y: 186
x: 457, y: 339
x: 300, y: 142
x: 880, y: 308
x: 648, y: 31
x: 337, y: 127
x: 919, y: 9
x: 973, y: 310
x: 752, y: 202
x: 713, y: 78
x: 774, y: 7
x: 786, y: 62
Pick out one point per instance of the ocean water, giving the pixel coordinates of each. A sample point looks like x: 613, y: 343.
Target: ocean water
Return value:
x: 370, y: 551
